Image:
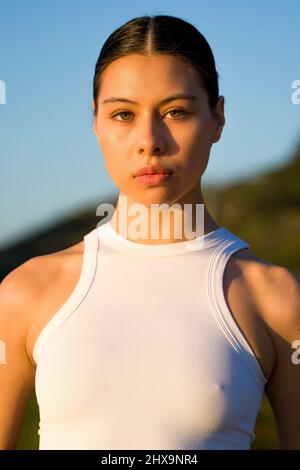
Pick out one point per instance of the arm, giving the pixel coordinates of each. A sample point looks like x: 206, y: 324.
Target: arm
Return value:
x: 17, y: 373
x: 282, y: 314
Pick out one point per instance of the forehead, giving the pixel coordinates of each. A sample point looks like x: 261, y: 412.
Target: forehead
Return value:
x: 138, y: 75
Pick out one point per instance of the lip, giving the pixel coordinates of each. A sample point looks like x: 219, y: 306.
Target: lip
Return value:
x: 155, y: 178
x: 152, y: 170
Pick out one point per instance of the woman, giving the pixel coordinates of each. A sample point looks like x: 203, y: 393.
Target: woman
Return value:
x: 158, y: 341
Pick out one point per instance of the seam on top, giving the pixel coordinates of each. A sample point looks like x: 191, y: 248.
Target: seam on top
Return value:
x: 86, y: 277
x: 222, y: 312
x: 160, y: 250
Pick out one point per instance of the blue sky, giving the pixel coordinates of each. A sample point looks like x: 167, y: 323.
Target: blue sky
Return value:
x: 51, y: 162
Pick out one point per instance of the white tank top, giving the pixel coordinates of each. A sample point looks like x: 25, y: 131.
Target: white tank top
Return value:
x: 145, y: 353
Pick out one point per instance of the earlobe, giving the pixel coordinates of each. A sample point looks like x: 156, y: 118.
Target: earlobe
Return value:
x: 218, y: 129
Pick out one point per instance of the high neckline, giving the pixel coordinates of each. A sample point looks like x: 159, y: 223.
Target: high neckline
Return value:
x: 118, y: 241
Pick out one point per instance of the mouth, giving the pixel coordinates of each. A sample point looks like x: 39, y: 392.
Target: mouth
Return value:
x: 154, y: 178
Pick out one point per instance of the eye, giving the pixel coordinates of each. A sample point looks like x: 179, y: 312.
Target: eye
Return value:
x: 120, y: 113
x: 176, y: 110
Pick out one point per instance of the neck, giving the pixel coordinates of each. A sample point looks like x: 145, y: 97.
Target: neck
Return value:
x: 181, y: 220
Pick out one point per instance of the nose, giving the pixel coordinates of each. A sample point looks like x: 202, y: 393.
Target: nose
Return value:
x: 150, y: 139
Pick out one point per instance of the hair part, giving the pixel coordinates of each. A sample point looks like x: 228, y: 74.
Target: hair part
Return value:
x: 160, y: 34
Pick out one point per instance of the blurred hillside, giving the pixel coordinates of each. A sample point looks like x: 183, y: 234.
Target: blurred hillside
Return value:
x: 263, y: 210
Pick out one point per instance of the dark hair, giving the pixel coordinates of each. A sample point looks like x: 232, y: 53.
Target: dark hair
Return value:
x: 160, y: 34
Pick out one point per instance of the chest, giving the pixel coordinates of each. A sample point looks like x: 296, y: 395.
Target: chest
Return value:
x: 154, y: 370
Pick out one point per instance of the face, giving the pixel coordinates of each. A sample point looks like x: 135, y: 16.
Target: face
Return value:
x: 176, y: 134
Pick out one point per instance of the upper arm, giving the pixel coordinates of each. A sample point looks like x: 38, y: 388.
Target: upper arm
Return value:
x: 282, y: 311
x: 17, y: 373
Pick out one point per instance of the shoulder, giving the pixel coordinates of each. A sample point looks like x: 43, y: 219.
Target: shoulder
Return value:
x: 275, y: 288
x: 29, y: 279
x: 24, y: 290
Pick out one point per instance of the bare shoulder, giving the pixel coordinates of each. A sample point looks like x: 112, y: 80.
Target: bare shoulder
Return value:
x: 28, y: 281
x: 275, y: 288
x: 27, y: 289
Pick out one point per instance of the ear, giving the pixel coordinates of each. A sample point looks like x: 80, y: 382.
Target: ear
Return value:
x: 219, y: 119
x: 95, y: 120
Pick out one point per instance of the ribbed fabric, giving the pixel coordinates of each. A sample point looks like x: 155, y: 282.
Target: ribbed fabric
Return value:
x: 145, y: 353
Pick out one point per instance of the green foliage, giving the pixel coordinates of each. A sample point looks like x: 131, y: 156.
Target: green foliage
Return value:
x: 29, y: 438
x: 264, y: 211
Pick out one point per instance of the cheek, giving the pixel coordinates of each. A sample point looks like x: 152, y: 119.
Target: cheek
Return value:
x: 112, y: 147
x: 109, y: 141
x: 199, y: 133
x: 116, y: 164
x: 196, y: 145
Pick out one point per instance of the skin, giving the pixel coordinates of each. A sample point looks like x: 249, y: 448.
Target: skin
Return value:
x: 264, y: 299
x: 148, y: 132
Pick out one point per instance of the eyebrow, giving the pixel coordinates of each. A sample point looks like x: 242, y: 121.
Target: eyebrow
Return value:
x: 178, y: 96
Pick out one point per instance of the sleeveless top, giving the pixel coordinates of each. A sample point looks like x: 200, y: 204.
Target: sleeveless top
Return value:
x: 145, y: 352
